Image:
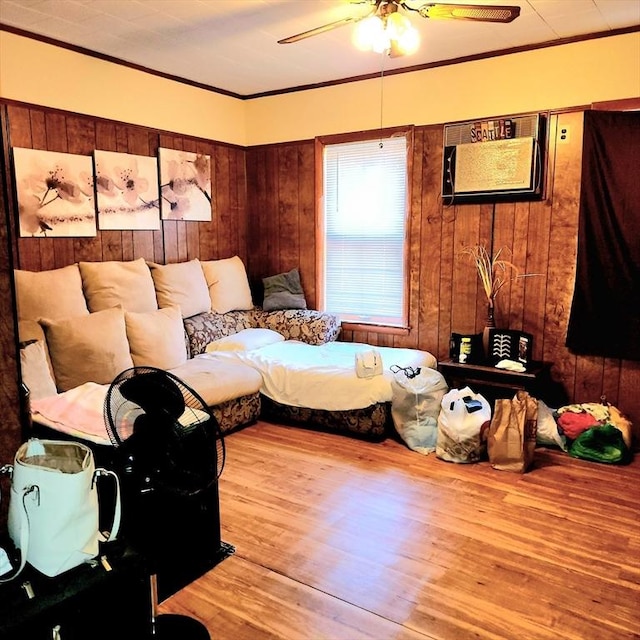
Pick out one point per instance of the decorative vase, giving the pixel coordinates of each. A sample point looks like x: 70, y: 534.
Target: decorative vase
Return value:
x: 490, y: 324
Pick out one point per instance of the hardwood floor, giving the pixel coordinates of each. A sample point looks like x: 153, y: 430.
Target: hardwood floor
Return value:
x: 342, y: 539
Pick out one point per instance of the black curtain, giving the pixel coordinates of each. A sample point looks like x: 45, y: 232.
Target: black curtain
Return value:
x: 605, y: 313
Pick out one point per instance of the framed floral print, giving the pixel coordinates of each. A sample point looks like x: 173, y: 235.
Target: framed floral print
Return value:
x: 55, y: 194
x: 185, y: 185
x: 127, y: 191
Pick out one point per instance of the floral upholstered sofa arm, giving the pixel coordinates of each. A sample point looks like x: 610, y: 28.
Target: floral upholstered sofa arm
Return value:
x: 306, y: 325
x: 206, y: 327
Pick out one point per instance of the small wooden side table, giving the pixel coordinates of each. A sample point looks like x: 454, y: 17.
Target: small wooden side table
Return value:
x: 499, y: 383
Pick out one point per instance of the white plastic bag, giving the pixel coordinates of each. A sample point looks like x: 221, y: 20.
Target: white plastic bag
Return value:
x: 463, y: 414
x: 415, y: 406
x: 548, y: 433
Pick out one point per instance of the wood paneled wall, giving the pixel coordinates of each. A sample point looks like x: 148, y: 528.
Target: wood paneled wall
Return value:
x: 41, y: 128
x: 11, y: 426
x: 176, y: 241
x: 264, y: 211
x: 281, y: 212
x: 445, y: 294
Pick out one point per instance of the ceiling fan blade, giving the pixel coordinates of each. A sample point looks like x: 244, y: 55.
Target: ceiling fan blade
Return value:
x: 318, y: 30
x: 480, y: 13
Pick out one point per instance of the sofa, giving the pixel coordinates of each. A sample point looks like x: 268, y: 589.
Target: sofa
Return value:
x: 81, y: 325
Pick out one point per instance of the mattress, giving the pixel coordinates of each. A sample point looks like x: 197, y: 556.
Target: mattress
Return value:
x: 323, y: 376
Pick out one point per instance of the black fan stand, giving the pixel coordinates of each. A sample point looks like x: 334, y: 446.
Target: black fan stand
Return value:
x: 151, y: 403
x: 173, y: 626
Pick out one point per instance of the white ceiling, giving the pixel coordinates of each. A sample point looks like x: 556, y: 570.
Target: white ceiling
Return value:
x: 232, y: 44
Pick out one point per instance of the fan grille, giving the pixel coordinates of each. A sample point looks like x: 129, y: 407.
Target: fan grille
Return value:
x: 164, y: 430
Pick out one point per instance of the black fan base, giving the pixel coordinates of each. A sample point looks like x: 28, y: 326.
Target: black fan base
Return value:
x: 170, y: 626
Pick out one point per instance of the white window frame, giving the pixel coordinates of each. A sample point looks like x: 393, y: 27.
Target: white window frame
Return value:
x: 393, y: 268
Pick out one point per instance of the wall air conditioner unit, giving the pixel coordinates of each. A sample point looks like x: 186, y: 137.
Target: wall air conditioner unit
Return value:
x: 499, y: 159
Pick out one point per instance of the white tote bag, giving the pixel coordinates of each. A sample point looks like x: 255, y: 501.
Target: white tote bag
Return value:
x: 53, y: 508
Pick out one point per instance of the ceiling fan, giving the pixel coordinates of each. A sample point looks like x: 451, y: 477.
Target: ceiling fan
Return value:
x: 383, y: 9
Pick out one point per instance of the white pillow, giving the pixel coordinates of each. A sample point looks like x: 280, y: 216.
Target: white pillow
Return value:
x: 35, y: 370
x: 245, y: 340
x: 156, y: 338
x: 228, y: 285
x: 181, y: 284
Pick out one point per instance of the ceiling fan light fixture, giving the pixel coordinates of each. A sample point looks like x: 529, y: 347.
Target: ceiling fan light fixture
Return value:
x: 385, y: 34
x: 409, y: 41
x: 397, y: 24
x: 385, y: 29
x: 369, y: 33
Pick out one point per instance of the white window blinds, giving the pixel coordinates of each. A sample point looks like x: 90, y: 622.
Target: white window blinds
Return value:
x: 365, y: 202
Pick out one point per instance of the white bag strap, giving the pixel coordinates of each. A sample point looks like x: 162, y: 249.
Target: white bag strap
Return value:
x: 117, y: 514
x: 24, y: 530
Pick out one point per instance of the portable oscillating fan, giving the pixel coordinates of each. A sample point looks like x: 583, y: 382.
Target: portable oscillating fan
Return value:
x: 170, y: 450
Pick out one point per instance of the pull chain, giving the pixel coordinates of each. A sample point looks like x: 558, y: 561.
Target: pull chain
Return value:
x: 381, y: 144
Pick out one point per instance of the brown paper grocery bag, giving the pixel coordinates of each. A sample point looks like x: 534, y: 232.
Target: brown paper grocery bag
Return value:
x: 512, y: 433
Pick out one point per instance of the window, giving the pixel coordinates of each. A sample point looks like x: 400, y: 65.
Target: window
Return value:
x: 364, y: 230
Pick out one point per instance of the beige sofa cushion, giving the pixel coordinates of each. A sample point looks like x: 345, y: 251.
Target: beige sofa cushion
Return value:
x: 156, y: 338
x: 228, y: 285
x: 218, y: 381
x: 53, y: 294
x: 111, y: 283
x: 92, y: 348
x: 181, y: 284
x: 32, y: 331
x: 29, y: 330
x: 36, y: 374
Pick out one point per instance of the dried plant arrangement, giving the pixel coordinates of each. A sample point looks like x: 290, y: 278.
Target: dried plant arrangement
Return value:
x: 494, y: 272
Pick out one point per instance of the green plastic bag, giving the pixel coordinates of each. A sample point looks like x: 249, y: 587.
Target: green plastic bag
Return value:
x: 602, y: 443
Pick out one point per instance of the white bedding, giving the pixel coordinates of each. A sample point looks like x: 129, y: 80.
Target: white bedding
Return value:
x: 323, y: 376
x: 293, y: 373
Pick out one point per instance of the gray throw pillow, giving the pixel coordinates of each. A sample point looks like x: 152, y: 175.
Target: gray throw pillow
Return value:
x: 283, y: 291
